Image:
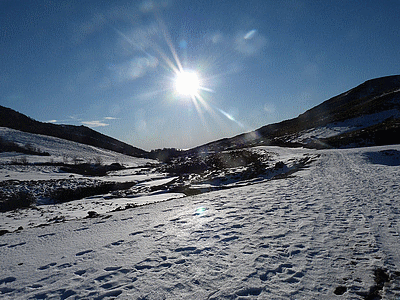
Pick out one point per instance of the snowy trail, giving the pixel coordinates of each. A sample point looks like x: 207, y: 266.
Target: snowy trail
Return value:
x: 302, y: 237
x: 383, y: 213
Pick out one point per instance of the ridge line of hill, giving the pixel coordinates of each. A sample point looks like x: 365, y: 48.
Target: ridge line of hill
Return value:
x: 372, y: 96
x: 81, y: 134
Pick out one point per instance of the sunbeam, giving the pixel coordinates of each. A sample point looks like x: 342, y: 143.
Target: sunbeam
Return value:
x: 230, y: 117
x: 187, y: 83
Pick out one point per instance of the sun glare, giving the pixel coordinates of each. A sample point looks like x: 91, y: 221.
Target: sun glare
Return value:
x: 187, y: 83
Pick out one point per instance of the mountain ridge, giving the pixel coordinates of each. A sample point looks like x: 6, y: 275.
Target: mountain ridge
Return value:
x: 371, y: 97
x: 12, y: 119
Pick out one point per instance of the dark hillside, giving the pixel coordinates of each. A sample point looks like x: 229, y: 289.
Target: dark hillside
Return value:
x: 373, y: 96
x: 370, y: 97
x: 81, y: 134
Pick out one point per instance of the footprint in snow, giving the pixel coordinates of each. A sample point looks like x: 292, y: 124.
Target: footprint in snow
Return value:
x: 280, y: 269
x: 110, y: 285
x: 165, y: 265
x: 112, y: 273
x: 249, y: 292
x: 64, y: 266
x: 46, y: 235
x: 16, y: 245
x: 7, y: 280
x: 237, y: 226
x: 80, y: 272
x: 81, y: 229
x: 228, y: 239
x: 109, y: 295
x: 295, y: 278
x: 136, y: 233
x: 108, y: 269
x: 117, y: 243
x: 47, y: 266
x: 185, y: 249
x: 83, y: 252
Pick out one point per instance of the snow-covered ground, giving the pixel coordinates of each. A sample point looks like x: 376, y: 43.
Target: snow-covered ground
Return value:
x: 37, y: 179
x: 330, y: 231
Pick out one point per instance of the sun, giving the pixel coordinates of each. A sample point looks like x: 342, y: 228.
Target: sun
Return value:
x: 187, y: 83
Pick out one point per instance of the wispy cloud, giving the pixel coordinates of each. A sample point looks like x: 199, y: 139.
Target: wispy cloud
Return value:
x: 95, y: 123
x: 250, y: 43
x: 83, y: 30
x: 110, y: 118
x: 134, y: 68
x: 103, y: 18
x: 245, y: 43
x: 148, y: 6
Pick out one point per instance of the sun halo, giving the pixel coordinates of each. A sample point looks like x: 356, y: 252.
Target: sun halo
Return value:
x: 187, y: 83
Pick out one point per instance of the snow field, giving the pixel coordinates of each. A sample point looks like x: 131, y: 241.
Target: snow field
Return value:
x: 61, y: 150
x: 301, y: 237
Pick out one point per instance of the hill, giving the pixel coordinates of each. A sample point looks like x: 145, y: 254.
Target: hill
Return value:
x: 12, y: 119
x: 366, y: 115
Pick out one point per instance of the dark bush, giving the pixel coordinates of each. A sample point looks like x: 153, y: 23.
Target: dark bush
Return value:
x: 91, y: 169
x: 213, y: 161
x: 15, y: 200
x: 8, y: 146
x: 62, y: 195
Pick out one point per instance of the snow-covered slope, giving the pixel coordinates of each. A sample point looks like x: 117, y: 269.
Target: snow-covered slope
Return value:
x: 12, y: 119
x: 61, y: 149
x: 338, y: 128
x: 327, y: 232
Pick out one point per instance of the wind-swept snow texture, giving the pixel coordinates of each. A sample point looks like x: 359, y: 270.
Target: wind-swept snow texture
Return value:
x: 327, y: 232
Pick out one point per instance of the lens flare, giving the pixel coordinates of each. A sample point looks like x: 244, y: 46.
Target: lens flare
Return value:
x: 200, y: 211
x: 187, y: 83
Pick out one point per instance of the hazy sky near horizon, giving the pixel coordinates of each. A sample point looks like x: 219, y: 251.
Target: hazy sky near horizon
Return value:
x: 111, y: 65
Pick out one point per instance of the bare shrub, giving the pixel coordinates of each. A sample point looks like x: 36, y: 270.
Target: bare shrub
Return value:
x: 15, y: 200
x: 98, y: 160
x: 65, y: 158
x: 213, y: 161
x: 19, y: 160
x: 61, y: 195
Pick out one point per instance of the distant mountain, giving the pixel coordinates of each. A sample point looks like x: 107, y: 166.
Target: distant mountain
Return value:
x: 366, y: 115
x: 81, y: 134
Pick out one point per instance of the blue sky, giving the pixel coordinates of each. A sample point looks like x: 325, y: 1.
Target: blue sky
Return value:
x: 110, y: 65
